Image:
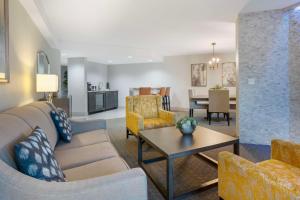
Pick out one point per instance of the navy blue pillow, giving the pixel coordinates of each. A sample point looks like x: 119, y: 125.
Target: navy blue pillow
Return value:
x: 62, y: 124
x: 35, y: 158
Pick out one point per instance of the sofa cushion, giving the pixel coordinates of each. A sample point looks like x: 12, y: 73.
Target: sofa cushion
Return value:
x: 155, y: 123
x: 96, y: 169
x: 34, y: 116
x: 34, y: 157
x: 84, y: 139
x: 62, y: 124
x: 282, y: 173
x: 70, y: 158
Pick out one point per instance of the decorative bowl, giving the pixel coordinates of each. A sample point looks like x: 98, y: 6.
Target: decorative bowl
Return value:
x: 186, y: 125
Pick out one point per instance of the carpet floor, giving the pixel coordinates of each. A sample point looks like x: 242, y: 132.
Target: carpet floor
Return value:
x: 189, y: 172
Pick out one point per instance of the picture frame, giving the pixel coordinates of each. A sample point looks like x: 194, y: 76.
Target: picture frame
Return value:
x: 229, y: 74
x: 199, y: 75
x: 4, y: 41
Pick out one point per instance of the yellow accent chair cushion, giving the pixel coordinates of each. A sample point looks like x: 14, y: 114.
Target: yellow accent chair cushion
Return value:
x: 274, y: 179
x: 145, y: 112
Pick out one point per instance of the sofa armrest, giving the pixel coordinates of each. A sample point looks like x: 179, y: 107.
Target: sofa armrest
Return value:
x: 131, y: 184
x: 79, y: 126
x: 168, y: 116
x: 134, y: 122
x: 287, y: 152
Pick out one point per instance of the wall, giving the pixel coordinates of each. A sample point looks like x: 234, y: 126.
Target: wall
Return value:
x: 77, y: 87
x: 96, y: 73
x: 25, y: 41
x: 294, y: 73
x: 174, y: 72
x: 263, y: 57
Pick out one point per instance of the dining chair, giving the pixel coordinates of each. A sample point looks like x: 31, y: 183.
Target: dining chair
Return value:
x: 167, y: 96
x: 145, y: 91
x: 162, y: 93
x: 218, y: 103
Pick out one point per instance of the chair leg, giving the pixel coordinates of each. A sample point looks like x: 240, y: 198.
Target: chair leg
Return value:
x: 209, y: 118
x: 127, y: 133
x: 190, y: 112
x: 168, y: 103
x: 228, y: 119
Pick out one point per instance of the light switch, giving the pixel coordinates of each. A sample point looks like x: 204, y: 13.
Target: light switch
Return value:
x: 251, y: 81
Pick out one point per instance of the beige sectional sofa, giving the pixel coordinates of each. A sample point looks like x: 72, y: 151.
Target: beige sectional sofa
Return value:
x: 92, y: 165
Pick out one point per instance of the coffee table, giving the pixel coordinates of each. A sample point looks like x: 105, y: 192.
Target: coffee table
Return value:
x: 172, y: 145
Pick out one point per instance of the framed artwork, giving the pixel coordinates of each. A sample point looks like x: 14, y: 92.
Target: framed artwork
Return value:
x: 199, y: 75
x: 4, y: 67
x: 229, y: 74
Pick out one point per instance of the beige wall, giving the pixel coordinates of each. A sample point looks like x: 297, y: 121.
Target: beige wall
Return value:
x: 24, y: 42
x: 174, y: 72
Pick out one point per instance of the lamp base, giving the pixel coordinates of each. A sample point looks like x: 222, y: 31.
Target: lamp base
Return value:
x: 50, y: 97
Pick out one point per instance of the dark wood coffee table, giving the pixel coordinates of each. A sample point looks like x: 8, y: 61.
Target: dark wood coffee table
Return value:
x: 171, y: 144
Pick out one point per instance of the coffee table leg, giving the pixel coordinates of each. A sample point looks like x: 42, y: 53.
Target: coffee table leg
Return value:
x: 236, y: 148
x: 140, y: 150
x: 170, y: 179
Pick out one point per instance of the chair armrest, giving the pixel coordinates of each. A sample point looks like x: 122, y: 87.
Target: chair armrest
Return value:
x: 233, y: 174
x: 131, y: 184
x: 79, y: 126
x: 168, y: 116
x: 242, y: 179
x: 134, y: 122
x: 285, y: 151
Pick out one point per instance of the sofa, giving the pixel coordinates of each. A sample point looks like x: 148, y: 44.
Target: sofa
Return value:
x: 274, y: 179
x: 92, y: 166
x: 145, y: 112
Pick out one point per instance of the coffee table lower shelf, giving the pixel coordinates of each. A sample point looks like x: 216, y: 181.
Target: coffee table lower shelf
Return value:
x: 169, y: 193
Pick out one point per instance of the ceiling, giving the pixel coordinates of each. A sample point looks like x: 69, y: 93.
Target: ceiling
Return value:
x: 139, y: 31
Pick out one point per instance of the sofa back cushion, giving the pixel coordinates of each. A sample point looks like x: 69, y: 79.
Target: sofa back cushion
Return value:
x: 12, y: 130
x: 37, y: 114
x: 145, y: 105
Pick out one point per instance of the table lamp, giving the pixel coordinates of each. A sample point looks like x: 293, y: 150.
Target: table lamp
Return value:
x: 47, y: 83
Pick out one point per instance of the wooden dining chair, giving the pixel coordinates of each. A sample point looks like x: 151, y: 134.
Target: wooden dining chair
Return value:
x: 218, y: 103
x: 167, y: 96
x: 162, y: 93
x: 145, y: 91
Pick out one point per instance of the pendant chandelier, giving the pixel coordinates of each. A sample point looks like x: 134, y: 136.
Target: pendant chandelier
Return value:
x: 214, y: 61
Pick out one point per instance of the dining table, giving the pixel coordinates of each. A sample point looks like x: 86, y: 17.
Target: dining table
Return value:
x: 202, y: 102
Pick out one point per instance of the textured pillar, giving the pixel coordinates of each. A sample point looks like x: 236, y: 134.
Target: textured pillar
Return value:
x: 294, y: 73
x: 263, y: 76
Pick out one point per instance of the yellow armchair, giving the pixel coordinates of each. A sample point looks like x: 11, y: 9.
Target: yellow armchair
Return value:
x: 274, y: 179
x: 145, y: 112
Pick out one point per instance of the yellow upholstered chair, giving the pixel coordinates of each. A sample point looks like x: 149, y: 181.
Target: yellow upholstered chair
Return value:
x: 145, y: 112
x: 274, y: 179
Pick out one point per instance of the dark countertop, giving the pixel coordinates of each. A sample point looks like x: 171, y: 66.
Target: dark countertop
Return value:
x: 102, y: 91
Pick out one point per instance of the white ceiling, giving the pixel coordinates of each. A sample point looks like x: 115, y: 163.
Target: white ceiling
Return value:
x: 138, y: 31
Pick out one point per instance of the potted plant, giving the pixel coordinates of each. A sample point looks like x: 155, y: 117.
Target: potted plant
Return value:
x: 187, y: 125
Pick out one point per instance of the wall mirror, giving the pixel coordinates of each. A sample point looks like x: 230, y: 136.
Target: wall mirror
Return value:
x: 4, y: 65
x: 43, y: 64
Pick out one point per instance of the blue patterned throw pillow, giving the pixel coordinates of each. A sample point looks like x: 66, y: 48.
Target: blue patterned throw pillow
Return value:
x: 35, y: 158
x: 62, y: 124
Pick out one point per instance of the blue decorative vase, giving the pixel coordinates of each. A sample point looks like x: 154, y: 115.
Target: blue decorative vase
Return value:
x: 187, y: 129
x: 186, y: 125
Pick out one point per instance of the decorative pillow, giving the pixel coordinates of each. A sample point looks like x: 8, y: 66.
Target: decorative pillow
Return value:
x: 35, y: 157
x: 62, y: 124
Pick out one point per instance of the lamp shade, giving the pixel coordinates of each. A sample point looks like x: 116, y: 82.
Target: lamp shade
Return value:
x: 46, y: 83
x: 2, y: 75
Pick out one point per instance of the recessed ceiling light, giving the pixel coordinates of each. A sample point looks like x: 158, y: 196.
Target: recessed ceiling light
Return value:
x: 110, y: 61
x: 150, y: 60
x: 130, y: 57
x: 297, y: 8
